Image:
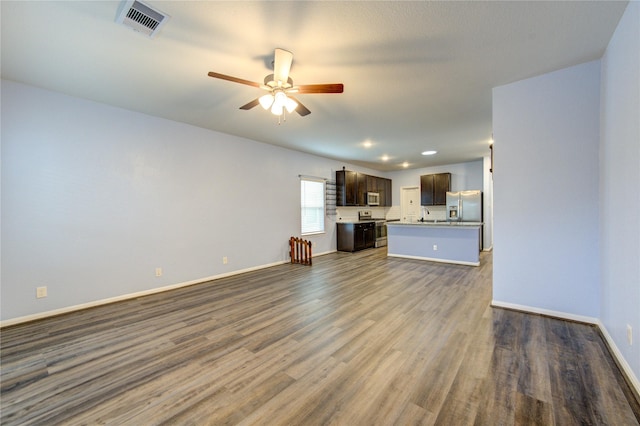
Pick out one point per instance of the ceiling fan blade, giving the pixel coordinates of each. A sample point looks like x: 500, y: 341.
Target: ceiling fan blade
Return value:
x: 250, y: 104
x: 320, y: 88
x: 301, y: 109
x: 282, y: 65
x: 233, y: 79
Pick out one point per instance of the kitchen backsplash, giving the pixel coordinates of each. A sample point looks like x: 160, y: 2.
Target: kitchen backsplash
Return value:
x: 434, y: 212
x: 350, y: 214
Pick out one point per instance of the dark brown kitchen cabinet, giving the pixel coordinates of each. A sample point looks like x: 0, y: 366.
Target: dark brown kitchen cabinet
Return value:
x: 387, y: 200
x: 352, y: 188
x: 372, y: 184
x: 377, y: 185
x: 427, y: 186
x: 434, y: 188
x: 346, y: 188
x: 442, y: 186
x: 384, y: 189
x: 362, y: 189
x: 356, y: 236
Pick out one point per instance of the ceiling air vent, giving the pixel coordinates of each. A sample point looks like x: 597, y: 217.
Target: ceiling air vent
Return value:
x: 141, y: 18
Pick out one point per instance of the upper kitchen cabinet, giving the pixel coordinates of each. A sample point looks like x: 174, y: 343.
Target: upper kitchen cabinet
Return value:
x: 372, y: 184
x: 434, y: 188
x: 362, y: 189
x: 442, y: 186
x: 352, y: 188
x: 385, y: 192
x: 346, y: 188
x: 427, y: 186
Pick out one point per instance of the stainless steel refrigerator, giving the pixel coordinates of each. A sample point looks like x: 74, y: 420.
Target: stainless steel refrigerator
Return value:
x: 464, y: 206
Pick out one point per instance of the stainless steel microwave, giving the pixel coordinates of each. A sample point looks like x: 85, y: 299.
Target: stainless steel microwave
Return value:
x: 373, y: 199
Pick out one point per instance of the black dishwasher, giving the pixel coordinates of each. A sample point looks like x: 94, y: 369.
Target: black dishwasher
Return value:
x: 356, y: 236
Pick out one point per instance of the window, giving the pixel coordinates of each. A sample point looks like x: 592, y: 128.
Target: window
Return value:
x: 312, y: 206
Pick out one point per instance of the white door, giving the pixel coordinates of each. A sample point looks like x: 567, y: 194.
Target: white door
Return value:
x: 409, y: 203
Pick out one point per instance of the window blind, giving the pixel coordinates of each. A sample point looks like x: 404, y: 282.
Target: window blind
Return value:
x: 312, y: 195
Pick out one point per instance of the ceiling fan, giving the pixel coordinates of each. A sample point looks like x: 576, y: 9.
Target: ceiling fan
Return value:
x: 280, y: 87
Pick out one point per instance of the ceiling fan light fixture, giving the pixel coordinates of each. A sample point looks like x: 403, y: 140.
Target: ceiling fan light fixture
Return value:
x: 290, y: 105
x: 266, y: 101
x: 278, y: 86
x: 279, y: 103
x: 280, y: 98
x: 277, y: 109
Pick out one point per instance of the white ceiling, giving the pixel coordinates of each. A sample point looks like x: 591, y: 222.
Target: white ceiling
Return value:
x: 417, y: 75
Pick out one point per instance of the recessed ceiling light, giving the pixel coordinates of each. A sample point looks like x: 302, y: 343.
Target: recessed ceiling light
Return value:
x: 429, y: 152
x: 385, y: 158
x: 367, y: 144
x: 405, y: 164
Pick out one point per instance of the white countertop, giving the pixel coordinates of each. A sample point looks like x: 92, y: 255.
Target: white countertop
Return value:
x: 438, y: 223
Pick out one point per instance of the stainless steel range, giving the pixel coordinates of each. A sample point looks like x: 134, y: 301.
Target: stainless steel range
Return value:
x: 381, y: 227
x: 381, y: 233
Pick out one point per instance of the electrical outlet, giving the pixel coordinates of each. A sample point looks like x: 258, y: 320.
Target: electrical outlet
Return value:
x: 41, y: 292
x: 435, y: 247
x: 225, y: 260
x: 629, y: 334
x: 158, y: 272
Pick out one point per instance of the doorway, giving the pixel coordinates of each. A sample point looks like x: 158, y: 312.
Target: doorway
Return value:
x: 410, y: 210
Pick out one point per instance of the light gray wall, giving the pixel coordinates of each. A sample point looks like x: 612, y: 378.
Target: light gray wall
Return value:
x: 94, y: 198
x: 546, y: 132
x: 620, y: 186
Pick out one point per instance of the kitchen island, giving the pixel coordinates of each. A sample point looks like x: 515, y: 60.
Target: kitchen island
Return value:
x: 449, y: 242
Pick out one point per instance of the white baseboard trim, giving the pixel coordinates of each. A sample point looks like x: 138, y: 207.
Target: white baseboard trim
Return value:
x: 613, y: 348
x: 430, y: 259
x: 42, y: 315
x: 546, y: 312
x: 68, y: 309
x: 324, y: 252
x: 622, y: 362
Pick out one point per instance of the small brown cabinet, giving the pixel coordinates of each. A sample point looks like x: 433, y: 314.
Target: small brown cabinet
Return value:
x: 356, y: 236
x: 434, y: 188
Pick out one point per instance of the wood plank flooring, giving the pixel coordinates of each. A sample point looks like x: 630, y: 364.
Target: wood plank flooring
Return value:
x: 356, y: 339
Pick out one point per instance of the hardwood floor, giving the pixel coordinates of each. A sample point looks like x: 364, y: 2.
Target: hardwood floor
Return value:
x: 356, y: 339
